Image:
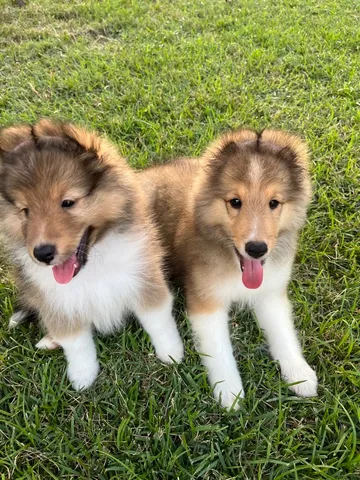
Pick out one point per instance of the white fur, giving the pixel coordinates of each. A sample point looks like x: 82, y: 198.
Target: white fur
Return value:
x: 47, y: 343
x: 108, y: 287
x: 273, y: 311
x: 160, y: 325
x: 213, y: 342
x: 17, y: 318
x: 274, y: 314
x: 80, y: 353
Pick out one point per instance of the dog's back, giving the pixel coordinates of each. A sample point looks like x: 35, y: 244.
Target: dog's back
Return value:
x: 170, y: 189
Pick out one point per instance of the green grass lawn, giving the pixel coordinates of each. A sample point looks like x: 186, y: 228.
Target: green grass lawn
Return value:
x: 163, y: 78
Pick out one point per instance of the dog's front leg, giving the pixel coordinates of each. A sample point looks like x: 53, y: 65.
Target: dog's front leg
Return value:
x: 274, y: 314
x: 80, y: 352
x: 159, y: 323
x: 212, y: 337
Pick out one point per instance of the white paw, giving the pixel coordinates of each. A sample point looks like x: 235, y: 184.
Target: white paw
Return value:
x: 168, y: 352
x: 17, y: 318
x: 228, y: 393
x: 300, y: 371
x: 82, y: 375
x: 47, y: 343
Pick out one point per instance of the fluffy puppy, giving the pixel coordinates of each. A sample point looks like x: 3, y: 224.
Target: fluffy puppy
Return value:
x: 230, y: 221
x: 78, y: 229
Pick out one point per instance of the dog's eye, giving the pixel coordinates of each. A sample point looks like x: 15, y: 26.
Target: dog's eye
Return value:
x: 25, y: 211
x: 273, y: 204
x: 235, y: 203
x: 67, y: 203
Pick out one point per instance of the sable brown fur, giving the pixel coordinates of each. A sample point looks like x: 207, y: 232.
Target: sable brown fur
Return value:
x: 50, y: 161
x: 248, y: 190
x: 76, y: 223
x: 190, y: 198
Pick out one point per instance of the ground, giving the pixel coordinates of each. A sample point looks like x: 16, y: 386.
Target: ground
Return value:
x: 163, y: 78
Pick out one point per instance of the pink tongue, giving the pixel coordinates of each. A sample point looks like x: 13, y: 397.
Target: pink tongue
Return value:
x: 64, y: 273
x: 252, y: 275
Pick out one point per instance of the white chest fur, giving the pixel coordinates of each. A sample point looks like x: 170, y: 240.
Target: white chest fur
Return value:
x: 105, y: 288
x: 232, y: 290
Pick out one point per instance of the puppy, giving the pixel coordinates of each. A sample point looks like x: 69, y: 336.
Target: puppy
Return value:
x: 78, y: 229
x: 230, y: 221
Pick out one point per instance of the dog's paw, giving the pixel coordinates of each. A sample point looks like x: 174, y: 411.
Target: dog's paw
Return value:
x: 228, y: 393
x: 170, y: 352
x: 82, y: 375
x: 17, y: 318
x: 301, y: 372
x: 47, y: 343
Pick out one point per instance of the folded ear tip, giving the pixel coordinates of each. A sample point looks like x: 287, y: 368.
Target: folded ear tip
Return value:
x: 11, y: 137
x: 48, y: 127
x: 292, y: 147
x: 62, y: 135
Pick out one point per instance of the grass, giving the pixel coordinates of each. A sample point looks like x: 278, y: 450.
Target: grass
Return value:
x: 162, y: 78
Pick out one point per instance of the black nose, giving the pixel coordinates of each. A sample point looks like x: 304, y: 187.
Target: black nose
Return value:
x: 256, y: 249
x: 45, y: 253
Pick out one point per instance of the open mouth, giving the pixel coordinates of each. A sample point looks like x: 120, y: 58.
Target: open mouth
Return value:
x: 252, y: 270
x: 67, y: 270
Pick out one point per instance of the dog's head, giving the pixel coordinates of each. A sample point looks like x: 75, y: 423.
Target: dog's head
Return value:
x: 256, y: 192
x: 61, y: 188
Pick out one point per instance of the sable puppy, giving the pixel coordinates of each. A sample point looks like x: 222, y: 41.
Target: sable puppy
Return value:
x: 78, y: 229
x: 230, y: 221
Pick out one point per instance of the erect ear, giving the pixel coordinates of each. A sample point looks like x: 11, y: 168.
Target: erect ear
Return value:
x: 12, y: 137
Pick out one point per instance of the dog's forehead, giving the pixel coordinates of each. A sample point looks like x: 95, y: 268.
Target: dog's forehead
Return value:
x: 249, y: 164
x: 30, y: 161
x: 262, y: 170
x: 32, y: 172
